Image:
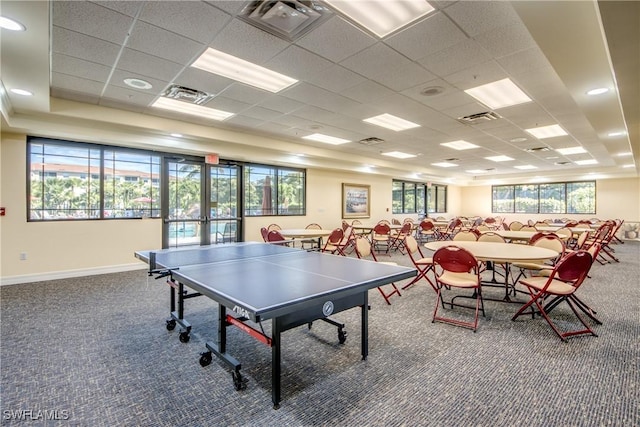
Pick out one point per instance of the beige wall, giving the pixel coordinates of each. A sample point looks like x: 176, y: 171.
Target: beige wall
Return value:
x: 73, y: 248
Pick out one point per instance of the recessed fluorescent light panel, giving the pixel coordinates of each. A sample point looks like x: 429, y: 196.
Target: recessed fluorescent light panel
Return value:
x: 499, y: 158
x: 550, y: 131
x: 614, y: 134
x: 391, y: 122
x: 597, y: 91
x: 398, y: 155
x: 21, y: 92
x: 625, y: 154
x: 525, y: 167
x: 586, y: 162
x: 444, y: 165
x: 223, y: 64
x: 628, y: 166
x: 326, y: 139
x: 475, y: 171
x: 460, y: 145
x: 571, y: 150
x: 499, y: 94
x: 192, y: 109
x: 382, y: 17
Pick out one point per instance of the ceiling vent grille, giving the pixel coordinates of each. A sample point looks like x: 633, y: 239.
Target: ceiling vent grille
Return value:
x: 287, y: 19
x: 537, y: 149
x: 474, y: 119
x: 182, y: 93
x: 371, y: 141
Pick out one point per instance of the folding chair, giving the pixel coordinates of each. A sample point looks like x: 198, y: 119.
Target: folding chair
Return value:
x: 381, y: 235
x: 459, y: 269
x: 562, y: 283
x: 420, y: 262
x: 363, y: 251
x: 332, y: 245
x: 276, y: 238
x: 397, y: 240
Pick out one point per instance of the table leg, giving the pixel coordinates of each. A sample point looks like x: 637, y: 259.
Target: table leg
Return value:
x: 275, y: 363
x: 365, y: 327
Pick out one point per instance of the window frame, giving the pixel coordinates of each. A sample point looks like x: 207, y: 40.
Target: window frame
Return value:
x: 423, y: 199
x: 566, y: 198
x: 277, y: 178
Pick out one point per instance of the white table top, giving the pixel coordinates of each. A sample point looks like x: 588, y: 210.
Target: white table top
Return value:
x: 304, y: 232
x: 499, y: 252
x: 512, y: 235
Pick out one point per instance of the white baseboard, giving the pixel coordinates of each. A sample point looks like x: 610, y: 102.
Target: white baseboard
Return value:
x: 40, y: 277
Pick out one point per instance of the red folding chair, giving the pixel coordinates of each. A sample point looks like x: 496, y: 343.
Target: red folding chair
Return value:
x: 420, y: 262
x: 459, y: 269
x: 332, y: 245
x: 276, y: 238
x: 562, y: 283
x: 364, y: 251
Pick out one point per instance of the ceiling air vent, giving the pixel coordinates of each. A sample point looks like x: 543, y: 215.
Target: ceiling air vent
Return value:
x: 474, y: 119
x: 371, y: 141
x: 287, y: 19
x: 537, y: 149
x: 188, y: 95
x: 562, y: 163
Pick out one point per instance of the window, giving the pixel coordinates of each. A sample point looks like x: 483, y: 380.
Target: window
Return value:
x: 559, y: 198
x: 86, y: 181
x: 270, y: 190
x: 411, y: 197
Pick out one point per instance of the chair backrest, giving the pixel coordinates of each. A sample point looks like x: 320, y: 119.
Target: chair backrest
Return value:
x: 275, y: 236
x: 528, y: 228
x: 335, y: 237
x: 405, y: 229
x: 313, y: 226
x: 491, y: 237
x: 594, y: 250
x: 411, y: 220
x: 395, y: 221
x: 482, y: 227
x: 465, y: 235
x: 573, y: 268
x: 515, y: 226
x: 582, y: 238
x: 540, y: 234
x: 264, y: 232
x: 381, y: 228
x: 274, y: 227
x: 551, y: 241
x: 384, y: 221
x: 426, y: 225
x: 363, y: 248
x: 455, y: 259
x: 505, y: 226
x: 564, y: 233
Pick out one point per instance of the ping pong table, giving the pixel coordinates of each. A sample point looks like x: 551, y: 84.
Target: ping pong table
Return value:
x: 259, y: 281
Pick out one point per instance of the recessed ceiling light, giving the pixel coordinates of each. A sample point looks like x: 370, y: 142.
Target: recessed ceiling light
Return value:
x: 628, y: 166
x: 571, y: 150
x: 499, y: 158
x: 326, y: 139
x: 192, y: 109
x: 624, y: 154
x: 551, y: 157
x: 598, y: 91
x: 460, y: 145
x: 586, y: 162
x: 231, y: 67
x: 398, y: 155
x: 176, y: 135
x: 614, y: 134
x: 476, y: 171
x: 138, y: 83
x: 444, y: 165
x: 10, y: 24
x: 382, y: 17
x: 499, y: 94
x: 21, y: 92
x: 525, y: 167
x: 391, y: 122
x: 550, y: 131
x: 432, y: 91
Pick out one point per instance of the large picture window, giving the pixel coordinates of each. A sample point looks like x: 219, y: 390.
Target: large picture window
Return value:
x: 557, y: 198
x: 85, y: 181
x: 270, y: 190
x: 411, y: 197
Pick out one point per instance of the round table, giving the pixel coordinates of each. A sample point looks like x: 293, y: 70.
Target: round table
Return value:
x: 305, y: 233
x: 513, y: 235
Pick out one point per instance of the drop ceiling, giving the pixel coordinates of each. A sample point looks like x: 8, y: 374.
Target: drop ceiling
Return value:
x: 75, y: 56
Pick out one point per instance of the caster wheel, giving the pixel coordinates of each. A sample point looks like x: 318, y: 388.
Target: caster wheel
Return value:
x: 171, y: 325
x: 238, y: 381
x: 205, y: 358
x: 184, y: 337
x: 309, y: 325
x: 342, y: 336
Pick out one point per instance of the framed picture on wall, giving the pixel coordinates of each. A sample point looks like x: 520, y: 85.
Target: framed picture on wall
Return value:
x: 356, y: 201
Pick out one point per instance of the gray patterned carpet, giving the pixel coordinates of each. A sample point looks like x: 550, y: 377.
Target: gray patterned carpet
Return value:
x: 94, y: 351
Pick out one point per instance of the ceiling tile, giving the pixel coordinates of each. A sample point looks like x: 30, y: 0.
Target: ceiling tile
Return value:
x: 90, y: 18
x: 248, y: 42
x: 477, y: 17
x: 79, y: 68
x: 85, y: 47
x: 148, y: 65
x: 163, y: 44
x: 336, y: 79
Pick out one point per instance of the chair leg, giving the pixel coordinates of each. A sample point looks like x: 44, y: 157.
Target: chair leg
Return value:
x: 387, y: 296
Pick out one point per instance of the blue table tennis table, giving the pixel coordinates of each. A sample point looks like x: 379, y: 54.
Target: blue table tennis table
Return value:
x: 254, y: 282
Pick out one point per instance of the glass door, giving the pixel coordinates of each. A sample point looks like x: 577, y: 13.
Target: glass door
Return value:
x: 225, y: 220
x: 184, y: 208
x: 202, y: 203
